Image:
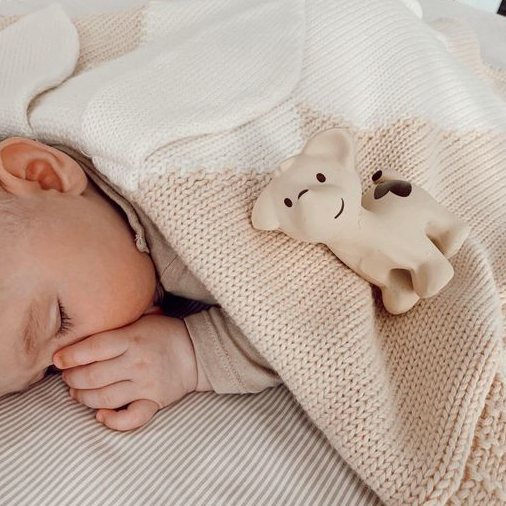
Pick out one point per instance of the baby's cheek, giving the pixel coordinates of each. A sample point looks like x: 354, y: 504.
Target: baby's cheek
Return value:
x: 131, y: 291
x: 112, y: 306
x: 123, y: 308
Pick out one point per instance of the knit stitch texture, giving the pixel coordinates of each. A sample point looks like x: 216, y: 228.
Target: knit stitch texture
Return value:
x: 415, y: 403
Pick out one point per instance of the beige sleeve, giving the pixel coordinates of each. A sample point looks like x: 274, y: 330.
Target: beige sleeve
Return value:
x: 231, y: 363
x: 179, y: 280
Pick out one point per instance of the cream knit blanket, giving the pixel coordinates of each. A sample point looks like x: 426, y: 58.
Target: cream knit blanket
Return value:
x: 189, y: 105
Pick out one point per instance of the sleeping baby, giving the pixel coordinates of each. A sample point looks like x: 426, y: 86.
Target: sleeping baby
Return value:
x: 91, y: 287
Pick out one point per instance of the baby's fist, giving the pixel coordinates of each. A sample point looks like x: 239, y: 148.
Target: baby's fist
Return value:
x: 148, y: 365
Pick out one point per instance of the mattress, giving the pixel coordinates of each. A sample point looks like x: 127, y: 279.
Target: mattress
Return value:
x: 207, y: 449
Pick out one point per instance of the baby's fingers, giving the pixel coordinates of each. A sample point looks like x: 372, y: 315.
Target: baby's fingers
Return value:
x: 135, y: 415
x: 97, y: 347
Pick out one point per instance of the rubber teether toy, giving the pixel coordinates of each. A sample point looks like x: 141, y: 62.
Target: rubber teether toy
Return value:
x: 395, y: 235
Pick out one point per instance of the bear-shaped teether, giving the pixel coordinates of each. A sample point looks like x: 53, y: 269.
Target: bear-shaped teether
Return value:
x: 396, y: 235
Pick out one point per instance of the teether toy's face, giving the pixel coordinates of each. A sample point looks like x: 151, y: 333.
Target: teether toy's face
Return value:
x: 316, y: 195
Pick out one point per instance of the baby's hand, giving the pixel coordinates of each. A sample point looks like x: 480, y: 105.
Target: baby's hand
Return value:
x: 148, y: 364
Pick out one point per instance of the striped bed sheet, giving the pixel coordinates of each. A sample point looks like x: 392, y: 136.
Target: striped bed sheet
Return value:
x: 207, y: 449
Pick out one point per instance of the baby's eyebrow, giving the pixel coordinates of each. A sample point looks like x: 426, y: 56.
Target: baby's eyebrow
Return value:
x: 32, y: 327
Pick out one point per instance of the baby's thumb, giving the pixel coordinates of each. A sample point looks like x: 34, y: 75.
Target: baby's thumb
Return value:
x: 135, y: 415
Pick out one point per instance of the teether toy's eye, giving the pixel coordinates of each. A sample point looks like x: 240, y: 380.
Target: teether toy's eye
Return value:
x: 321, y: 177
x: 288, y: 203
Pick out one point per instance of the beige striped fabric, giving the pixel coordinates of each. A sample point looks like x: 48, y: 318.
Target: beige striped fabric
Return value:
x: 208, y: 449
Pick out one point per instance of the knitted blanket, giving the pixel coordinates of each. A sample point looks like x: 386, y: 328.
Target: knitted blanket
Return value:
x: 188, y: 106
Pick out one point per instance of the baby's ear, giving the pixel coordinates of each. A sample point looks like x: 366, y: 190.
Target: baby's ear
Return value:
x: 263, y: 216
x: 334, y: 144
x: 28, y: 167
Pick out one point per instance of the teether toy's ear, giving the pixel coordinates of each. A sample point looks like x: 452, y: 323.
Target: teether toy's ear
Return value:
x: 335, y: 144
x: 263, y: 216
x: 284, y: 165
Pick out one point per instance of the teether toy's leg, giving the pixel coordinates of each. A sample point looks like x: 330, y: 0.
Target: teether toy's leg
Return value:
x: 399, y: 296
x: 433, y: 274
x: 448, y: 232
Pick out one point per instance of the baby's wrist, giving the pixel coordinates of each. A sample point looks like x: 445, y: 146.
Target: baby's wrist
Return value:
x: 203, y: 384
x: 187, y: 361
x: 201, y: 381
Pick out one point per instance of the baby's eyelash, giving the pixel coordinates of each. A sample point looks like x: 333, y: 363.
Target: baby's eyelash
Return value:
x: 66, y: 322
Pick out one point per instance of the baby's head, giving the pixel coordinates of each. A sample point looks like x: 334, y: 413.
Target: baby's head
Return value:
x: 63, y: 244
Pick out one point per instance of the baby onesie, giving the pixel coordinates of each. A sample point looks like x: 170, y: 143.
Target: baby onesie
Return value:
x: 230, y: 361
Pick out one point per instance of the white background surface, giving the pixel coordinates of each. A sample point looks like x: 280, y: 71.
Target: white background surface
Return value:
x: 490, y: 28
x: 486, y: 5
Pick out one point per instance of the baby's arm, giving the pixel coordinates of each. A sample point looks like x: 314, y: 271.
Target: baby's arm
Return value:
x: 226, y: 356
x: 148, y: 365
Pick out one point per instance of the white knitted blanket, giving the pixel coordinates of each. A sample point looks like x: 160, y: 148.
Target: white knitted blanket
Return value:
x: 188, y: 106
